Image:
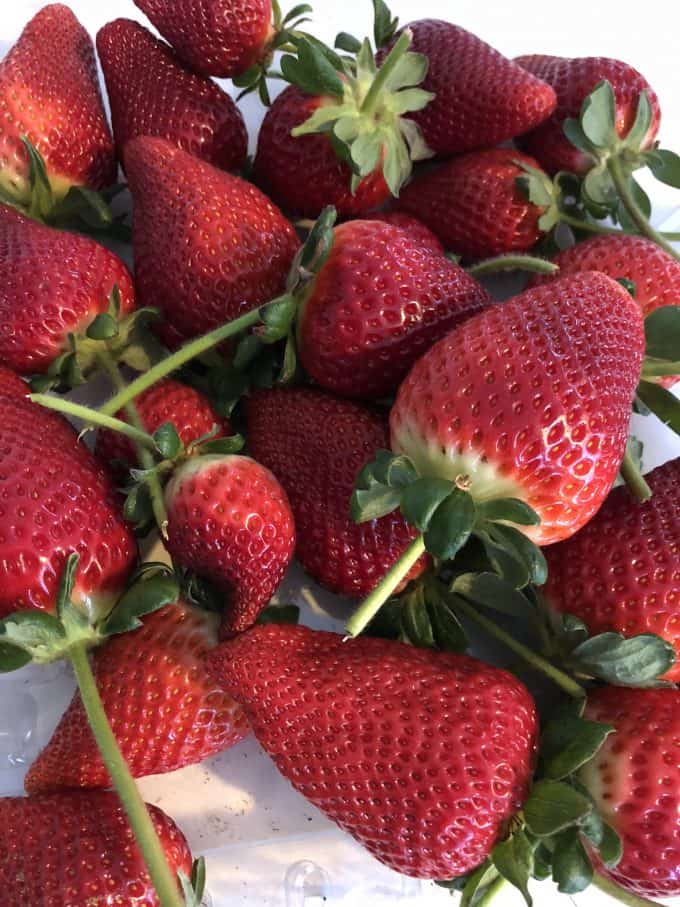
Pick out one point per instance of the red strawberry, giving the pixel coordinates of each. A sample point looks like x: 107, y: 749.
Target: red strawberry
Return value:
x: 635, y: 780
x: 229, y: 520
x: 573, y: 79
x: 412, y: 225
x: 378, y: 302
x: 49, y: 93
x: 316, y: 444
x: 164, y: 709
x: 11, y: 385
x: 530, y: 399
x: 54, y: 284
x: 208, y: 246
x: 55, y: 500
x: 481, y: 97
x: 64, y: 850
x: 473, y: 204
x: 422, y: 756
x: 620, y: 572
x: 152, y: 93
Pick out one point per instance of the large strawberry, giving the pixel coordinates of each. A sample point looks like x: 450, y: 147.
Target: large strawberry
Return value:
x: 573, y: 79
x: 422, y: 756
x: 316, y: 444
x: 78, y: 848
x: 11, y: 385
x: 412, y: 225
x: 152, y: 93
x: 230, y: 522
x: 208, y: 246
x: 49, y: 93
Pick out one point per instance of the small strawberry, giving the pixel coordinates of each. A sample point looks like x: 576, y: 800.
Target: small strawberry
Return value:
x: 49, y: 93
x: 11, y: 385
x: 208, y: 246
x: 422, y: 756
x: 316, y: 444
x: 412, y: 225
x: 152, y: 93
x: 573, y: 79
x: 229, y: 521
x: 78, y: 848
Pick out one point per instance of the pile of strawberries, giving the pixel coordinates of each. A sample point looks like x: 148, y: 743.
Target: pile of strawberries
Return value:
x: 443, y: 459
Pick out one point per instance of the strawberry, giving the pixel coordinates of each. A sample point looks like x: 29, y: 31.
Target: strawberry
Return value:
x: 620, y: 572
x: 315, y: 444
x: 530, y: 399
x: 474, y: 205
x: 634, y: 779
x: 78, y: 848
x: 208, y: 246
x: 573, y: 79
x: 377, y: 303
x: 164, y: 709
x: 54, y: 285
x: 422, y: 756
x: 11, y: 385
x: 49, y: 93
x: 55, y: 500
x: 152, y: 93
x: 229, y: 520
x: 412, y: 225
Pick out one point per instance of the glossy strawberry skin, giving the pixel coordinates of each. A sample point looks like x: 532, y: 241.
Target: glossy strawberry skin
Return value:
x: 380, y: 300
x: 415, y: 227
x: 152, y: 92
x: 530, y: 399
x: 316, y: 444
x: 11, y: 385
x: 78, y: 848
x: 422, y: 756
x: 473, y: 204
x: 621, y: 572
x: 53, y: 284
x: 635, y: 779
x: 573, y: 79
x: 208, y: 246
x: 164, y: 709
x: 303, y: 175
x: 54, y: 500
x: 49, y: 92
x: 229, y: 520
x: 214, y: 37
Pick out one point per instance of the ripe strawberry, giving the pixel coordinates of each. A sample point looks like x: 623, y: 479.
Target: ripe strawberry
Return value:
x: 573, y: 79
x: 49, y: 93
x: 152, y: 93
x: 11, y: 385
x: 55, y: 500
x: 229, y: 520
x: 620, y: 572
x: 530, y: 399
x: 422, y: 756
x: 208, y: 246
x: 481, y: 97
x: 378, y: 302
x: 316, y: 444
x: 78, y: 848
x: 635, y: 779
x: 164, y: 709
x: 474, y: 205
x: 54, y: 284
x: 412, y: 225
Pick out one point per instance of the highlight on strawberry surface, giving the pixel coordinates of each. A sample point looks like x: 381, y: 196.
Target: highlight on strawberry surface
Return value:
x: 306, y: 357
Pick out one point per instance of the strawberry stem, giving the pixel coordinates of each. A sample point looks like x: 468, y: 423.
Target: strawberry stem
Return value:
x: 589, y: 226
x: 93, y: 416
x: 634, y: 478
x: 646, y: 229
x: 512, y: 263
x: 374, y: 93
x: 164, y: 880
x: 491, y: 892
x: 620, y: 894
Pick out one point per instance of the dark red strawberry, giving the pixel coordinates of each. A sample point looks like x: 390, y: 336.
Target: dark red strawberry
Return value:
x: 49, y: 93
x: 474, y: 205
x: 422, y: 756
x: 11, y: 385
x: 316, y: 444
x: 208, y: 246
x: 573, y: 78
x: 78, y: 848
x: 152, y: 92
x: 412, y: 225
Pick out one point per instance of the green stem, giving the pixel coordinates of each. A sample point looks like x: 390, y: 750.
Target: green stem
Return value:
x: 657, y: 368
x: 525, y: 653
x: 646, y: 229
x: 372, y: 98
x: 512, y: 263
x: 589, y: 226
x: 94, y: 417
x: 392, y: 579
x: 634, y: 478
x: 164, y: 880
x: 620, y: 894
x: 179, y: 358
x: 491, y: 892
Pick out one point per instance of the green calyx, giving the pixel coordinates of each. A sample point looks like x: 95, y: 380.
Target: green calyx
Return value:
x: 662, y: 359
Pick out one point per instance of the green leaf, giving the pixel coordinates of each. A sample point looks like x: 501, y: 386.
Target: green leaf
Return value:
x: 42, y: 198
x: 198, y: 878
x: 611, y: 847
x: 384, y: 23
x: 104, y: 327
x: 279, y: 614
x: 553, y: 806
x: 84, y: 207
x: 627, y: 285
x: 167, y: 440
x: 542, y: 863
x: 506, y: 563
x: 643, y: 120
x: 509, y: 510
x: 477, y: 881
x: 569, y: 743
x: 12, y: 657
x: 599, y: 191
x: 448, y: 632
x: 373, y: 503
x: 662, y: 403
x: 522, y: 548
x: 311, y: 70
x: 662, y: 332
x: 576, y: 136
x: 571, y: 866
x: 638, y: 661
x: 319, y: 243
x: 231, y: 445
x: 347, y: 42
x: 137, y: 508
x: 665, y: 165
x: 415, y: 622
x: 490, y: 590
x: 514, y: 859
x: 37, y: 632
x: 421, y: 499
x: 146, y: 596
x: 400, y: 472
x: 451, y: 525
x: 66, y: 583
x: 277, y: 318
x: 598, y: 116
